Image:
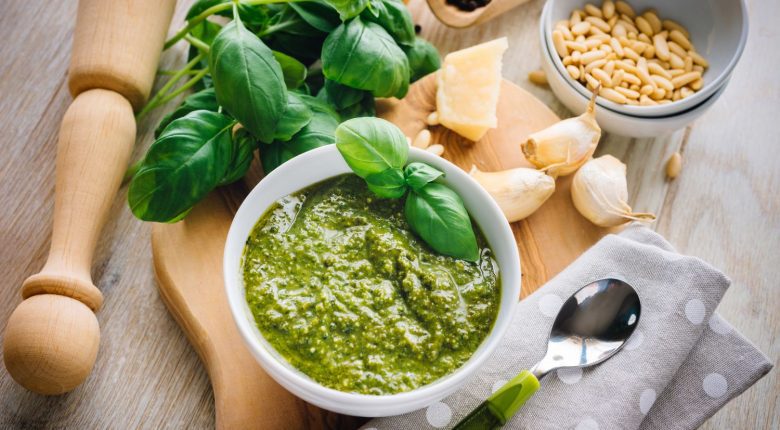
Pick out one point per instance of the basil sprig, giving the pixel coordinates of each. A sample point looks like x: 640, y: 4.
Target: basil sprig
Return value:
x: 287, y: 72
x: 376, y: 150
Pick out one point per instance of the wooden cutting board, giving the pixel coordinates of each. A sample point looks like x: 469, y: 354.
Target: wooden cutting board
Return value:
x: 188, y: 258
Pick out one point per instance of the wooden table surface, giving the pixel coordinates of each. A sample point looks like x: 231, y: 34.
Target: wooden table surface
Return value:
x: 724, y: 208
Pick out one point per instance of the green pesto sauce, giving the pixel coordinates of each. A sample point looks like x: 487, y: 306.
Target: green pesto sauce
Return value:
x: 343, y: 290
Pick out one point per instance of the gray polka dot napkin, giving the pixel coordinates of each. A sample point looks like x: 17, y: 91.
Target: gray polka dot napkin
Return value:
x: 680, y: 366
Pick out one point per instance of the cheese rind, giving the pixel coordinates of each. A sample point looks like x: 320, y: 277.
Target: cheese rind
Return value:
x: 468, y: 87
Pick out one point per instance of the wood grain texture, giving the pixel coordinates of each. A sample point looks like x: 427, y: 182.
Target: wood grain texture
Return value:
x: 723, y: 208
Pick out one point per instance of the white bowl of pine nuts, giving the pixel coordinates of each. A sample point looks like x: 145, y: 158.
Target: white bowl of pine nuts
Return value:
x: 652, y: 58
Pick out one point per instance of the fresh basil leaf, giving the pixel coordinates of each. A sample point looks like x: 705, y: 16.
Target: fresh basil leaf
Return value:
x: 254, y: 16
x: 423, y: 58
x: 364, y: 56
x: 342, y: 96
x: 371, y: 145
x: 365, y: 108
x: 318, y: 14
x: 348, y: 8
x: 387, y: 184
x: 248, y: 80
x: 296, y: 116
x: 205, y: 31
x: 394, y: 17
x: 305, y: 48
x: 319, y: 132
x: 189, y: 159
x: 244, y: 145
x: 419, y: 175
x: 293, y: 70
x: 437, y: 215
x: 202, y: 100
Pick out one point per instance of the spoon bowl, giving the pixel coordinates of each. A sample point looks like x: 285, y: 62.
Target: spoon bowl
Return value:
x: 591, y: 326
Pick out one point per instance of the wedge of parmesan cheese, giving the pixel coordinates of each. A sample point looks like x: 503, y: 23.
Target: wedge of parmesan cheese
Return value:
x: 468, y: 87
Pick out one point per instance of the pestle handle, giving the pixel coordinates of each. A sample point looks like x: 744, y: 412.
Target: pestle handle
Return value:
x: 52, y: 337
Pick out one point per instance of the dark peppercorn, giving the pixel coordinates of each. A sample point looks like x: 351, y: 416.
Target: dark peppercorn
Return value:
x: 417, y: 29
x: 468, y: 5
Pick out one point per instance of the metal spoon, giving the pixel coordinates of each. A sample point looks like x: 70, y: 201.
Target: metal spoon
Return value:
x: 591, y: 326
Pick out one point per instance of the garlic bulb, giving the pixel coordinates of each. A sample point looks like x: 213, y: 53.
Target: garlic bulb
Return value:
x: 519, y: 192
x: 599, y: 191
x: 565, y: 146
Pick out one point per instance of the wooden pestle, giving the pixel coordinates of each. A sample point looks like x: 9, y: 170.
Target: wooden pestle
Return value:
x: 52, y: 337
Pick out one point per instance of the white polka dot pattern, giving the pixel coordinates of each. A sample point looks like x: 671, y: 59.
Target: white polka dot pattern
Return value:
x: 715, y: 385
x: 695, y: 311
x: 587, y: 424
x: 549, y: 305
x: 570, y: 375
x: 438, y: 414
x: 718, y: 325
x: 646, y: 400
x: 635, y: 341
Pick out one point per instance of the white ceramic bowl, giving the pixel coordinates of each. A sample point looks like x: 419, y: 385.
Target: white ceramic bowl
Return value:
x: 614, y: 122
x: 718, y: 29
x: 318, y: 165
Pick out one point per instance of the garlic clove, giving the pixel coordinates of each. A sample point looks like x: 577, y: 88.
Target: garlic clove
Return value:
x: 600, y: 191
x: 519, y: 192
x: 565, y: 146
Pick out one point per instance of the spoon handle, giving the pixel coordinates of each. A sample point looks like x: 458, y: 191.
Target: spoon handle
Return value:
x: 501, y: 405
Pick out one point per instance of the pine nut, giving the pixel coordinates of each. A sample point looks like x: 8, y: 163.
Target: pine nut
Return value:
x: 674, y: 166
x: 658, y: 94
x: 653, y: 20
x: 649, y: 52
x: 670, y: 25
x: 577, y: 46
x: 624, y: 8
x: 596, y: 31
x: 575, y: 18
x: 698, y: 59
x: 644, y: 26
x: 593, y: 10
x: 631, y: 35
x: 433, y: 119
x: 559, y: 44
x: 609, y: 67
x: 612, y: 95
x: 423, y: 139
x: 698, y: 68
x: 644, y: 38
x: 674, y: 48
x: 608, y: 9
x: 435, y: 149
x: 591, y: 56
x: 678, y: 37
x: 697, y: 84
x: 676, y: 72
x: 656, y: 69
x: 616, y: 47
x: 685, y: 92
x: 580, y: 28
x: 566, y: 33
x: 644, y: 100
x: 594, y: 64
x: 617, y: 77
x: 567, y: 60
x: 593, y: 83
x: 662, y: 82
x: 592, y: 43
x: 676, y: 95
x: 685, y: 79
x: 599, y: 23
x: 631, y: 94
x: 619, y: 30
x: 661, y: 48
x: 634, y: 88
x: 676, y: 61
x: 688, y: 64
x: 606, y: 48
x: 646, y: 90
x: 574, y: 72
x: 632, y: 79
x: 630, y: 53
x: 612, y: 21
x: 538, y: 77
x: 602, y: 76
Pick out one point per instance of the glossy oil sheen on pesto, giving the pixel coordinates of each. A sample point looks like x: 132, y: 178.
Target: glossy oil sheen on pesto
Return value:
x: 344, y: 291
